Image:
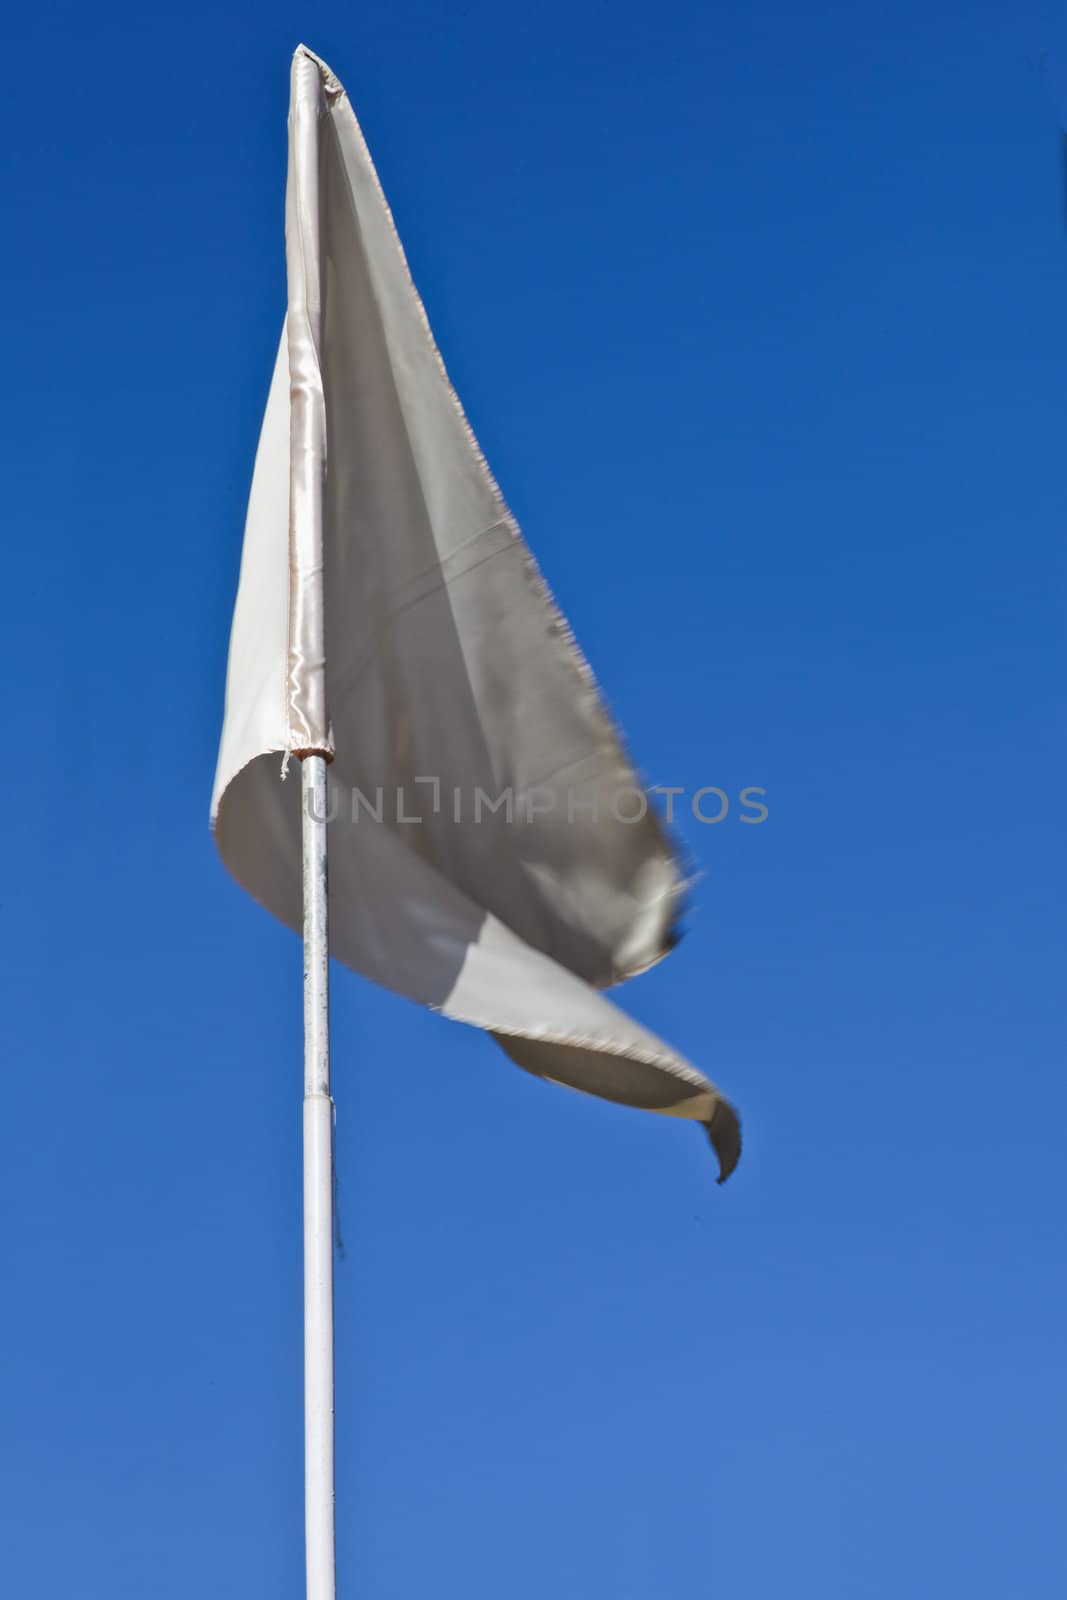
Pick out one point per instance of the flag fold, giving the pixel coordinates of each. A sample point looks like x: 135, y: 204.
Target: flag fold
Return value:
x: 489, y: 852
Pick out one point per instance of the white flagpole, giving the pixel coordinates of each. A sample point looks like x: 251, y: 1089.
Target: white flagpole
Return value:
x: 318, y: 1195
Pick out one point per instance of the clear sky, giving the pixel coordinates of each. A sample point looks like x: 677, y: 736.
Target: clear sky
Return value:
x: 760, y: 314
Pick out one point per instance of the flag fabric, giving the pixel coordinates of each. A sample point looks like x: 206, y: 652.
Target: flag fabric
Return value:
x: 489, y: 852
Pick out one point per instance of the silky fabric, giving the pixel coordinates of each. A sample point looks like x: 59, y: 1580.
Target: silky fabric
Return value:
x: 482, y: 858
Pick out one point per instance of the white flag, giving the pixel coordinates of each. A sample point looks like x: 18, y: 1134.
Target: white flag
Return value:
x: 491, y: 852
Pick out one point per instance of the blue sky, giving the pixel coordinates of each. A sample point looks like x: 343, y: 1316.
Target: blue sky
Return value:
x: 761, y: 317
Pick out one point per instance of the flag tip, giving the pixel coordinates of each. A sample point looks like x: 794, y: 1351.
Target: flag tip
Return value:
x: 724, y: 1135
x: 332, y: 86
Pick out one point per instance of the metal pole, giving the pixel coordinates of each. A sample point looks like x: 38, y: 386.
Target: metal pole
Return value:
x: 318, y: 1196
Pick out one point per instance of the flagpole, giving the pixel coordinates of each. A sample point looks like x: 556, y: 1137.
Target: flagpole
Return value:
x: 309, y: 738
x: 318, y: 1195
